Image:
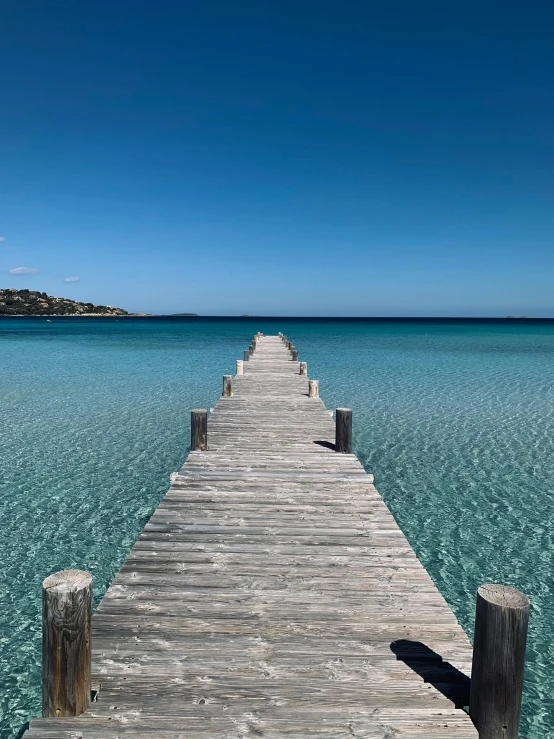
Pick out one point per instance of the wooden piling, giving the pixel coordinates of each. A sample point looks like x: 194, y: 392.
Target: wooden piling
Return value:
x: 66, y: 643
x: 199, y: 429
x: 313, y: 388
x: 343, y: 430
x: 240, y: 367
x: 227, y: 386
x: 246, y: 355
x: 294, y: 355
x: 501, y: 620
x: 304, y: 368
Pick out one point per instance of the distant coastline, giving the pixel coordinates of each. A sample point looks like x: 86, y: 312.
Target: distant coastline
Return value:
x: 32, y: 304
x: 21, y: 303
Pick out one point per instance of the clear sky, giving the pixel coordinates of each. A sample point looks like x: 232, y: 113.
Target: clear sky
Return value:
x: 286, y: 157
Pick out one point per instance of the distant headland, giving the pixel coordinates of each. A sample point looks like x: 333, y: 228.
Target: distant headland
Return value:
x: 30, y: 303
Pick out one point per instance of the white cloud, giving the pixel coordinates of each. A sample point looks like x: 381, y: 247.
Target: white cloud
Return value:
x: 2, y: 238
x: 71, y: 279
x: 23, y: 271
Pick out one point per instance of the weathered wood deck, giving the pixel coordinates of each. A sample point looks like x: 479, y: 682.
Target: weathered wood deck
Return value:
x: 273, y: 595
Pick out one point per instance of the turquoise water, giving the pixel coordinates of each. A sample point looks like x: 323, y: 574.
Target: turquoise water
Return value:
x: 455, y: 420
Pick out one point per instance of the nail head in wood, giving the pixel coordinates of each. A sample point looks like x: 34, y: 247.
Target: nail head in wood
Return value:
x: 199, y: 429
x: 343, y: 430
x: 66, y: 643
x: 501, y: 621
x: 227, y: 386
x: 313, y: 388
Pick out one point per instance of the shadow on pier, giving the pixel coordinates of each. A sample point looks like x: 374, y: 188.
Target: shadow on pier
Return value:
x: 326, y: 444
x: 446, y: 678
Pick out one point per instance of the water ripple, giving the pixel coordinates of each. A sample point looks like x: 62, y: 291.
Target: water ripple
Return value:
x: 456, y: 421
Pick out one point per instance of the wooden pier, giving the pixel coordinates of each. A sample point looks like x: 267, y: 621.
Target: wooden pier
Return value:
x: 272, y: 593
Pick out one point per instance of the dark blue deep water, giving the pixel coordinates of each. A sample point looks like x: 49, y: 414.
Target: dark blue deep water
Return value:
x: 456, y: 421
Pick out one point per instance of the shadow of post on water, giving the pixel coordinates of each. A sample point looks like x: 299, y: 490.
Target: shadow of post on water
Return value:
x: 22, y: 730
x: 446, y: 678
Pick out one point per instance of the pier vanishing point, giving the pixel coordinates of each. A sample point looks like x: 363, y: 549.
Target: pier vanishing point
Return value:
x: 271, y: 594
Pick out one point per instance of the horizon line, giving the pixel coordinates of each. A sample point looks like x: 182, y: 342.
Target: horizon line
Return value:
x: 193, y: 317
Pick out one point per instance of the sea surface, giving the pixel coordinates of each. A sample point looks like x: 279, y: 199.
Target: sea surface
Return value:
x: 455, y: 419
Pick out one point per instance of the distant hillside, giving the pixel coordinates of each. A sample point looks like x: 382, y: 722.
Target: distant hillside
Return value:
x: 30, y: 303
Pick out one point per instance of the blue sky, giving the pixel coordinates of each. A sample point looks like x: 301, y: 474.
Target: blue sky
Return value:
x: 290, y: 158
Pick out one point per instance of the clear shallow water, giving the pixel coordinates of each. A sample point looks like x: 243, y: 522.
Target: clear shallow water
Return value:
x: 456, y: 421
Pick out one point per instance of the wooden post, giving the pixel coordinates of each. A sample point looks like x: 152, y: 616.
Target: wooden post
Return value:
x: 313, y: 388
x: 240, y: 367
x: 246, y: 355
x: 199, y: 429
x: 304, y: 368
x: 501, y: 619
x: 227, y: 386
x: 343, y: 430
x: 294, y: 355
x: 66, y: 643
x: 289, y: 345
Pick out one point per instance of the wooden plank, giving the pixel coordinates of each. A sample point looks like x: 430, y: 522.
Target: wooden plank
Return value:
x: 272, y: 594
